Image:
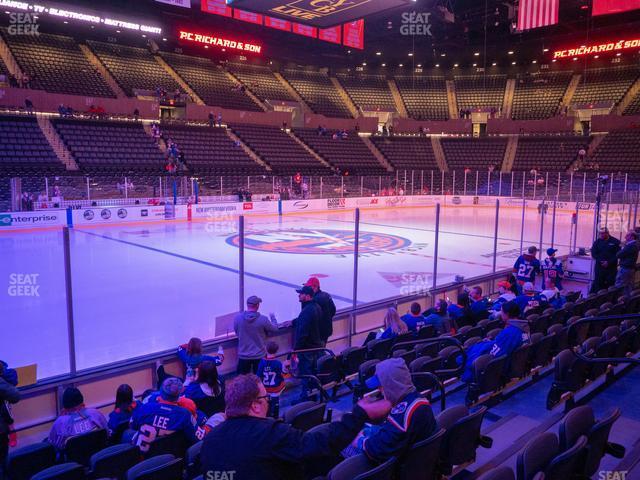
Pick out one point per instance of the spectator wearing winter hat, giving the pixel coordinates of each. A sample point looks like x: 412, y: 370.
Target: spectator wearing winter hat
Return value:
x: 163, y: 417
x: 328, y: 308
x: 252, y: 329
x: 76, y: 419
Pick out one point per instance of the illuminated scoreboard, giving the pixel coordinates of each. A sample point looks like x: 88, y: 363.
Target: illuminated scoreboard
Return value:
x: 318, y: 13
x: 333, y: 21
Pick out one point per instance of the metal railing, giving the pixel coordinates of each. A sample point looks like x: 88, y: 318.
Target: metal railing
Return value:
x: 101, y: 190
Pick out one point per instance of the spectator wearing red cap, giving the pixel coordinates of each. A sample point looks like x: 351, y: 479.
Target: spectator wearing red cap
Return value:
x: 506, y: 291
x: 328, y: 308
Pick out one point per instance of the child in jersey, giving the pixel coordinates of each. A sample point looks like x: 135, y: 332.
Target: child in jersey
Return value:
x: 191, y: 356
x: 530, y: 298
x: 272, y: 373
x: 552, y: 269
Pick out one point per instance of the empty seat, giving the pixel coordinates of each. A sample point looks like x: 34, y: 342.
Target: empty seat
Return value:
x: 538, y: 95
x: 114, y: 461
x: 359, y: 467
x: 281, y: 152
x: 369, y: 92
x: 260, y: 80
x: 65, y: 471
x: 210, y: 82
x: 56, y: 63
x: 22, y: 463
x: 135, y: 69
x: 424, y: 97
x: 163, y: 467
x: 318, y: 92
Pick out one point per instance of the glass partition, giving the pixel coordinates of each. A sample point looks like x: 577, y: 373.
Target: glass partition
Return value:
x: 144, y: 289
x: 33, y: 308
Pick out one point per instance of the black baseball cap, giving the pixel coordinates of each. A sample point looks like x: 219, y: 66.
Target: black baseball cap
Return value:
x: 551, y: 251
x: 307, y: 290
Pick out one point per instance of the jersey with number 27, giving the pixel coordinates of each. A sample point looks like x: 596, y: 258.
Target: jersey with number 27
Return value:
x: 525, y: 269
x: 153, y: 420
x: 270, y: 372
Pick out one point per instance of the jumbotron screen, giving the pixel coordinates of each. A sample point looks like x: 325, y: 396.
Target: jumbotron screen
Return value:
x: 607, y: 7
x: 318, y: 13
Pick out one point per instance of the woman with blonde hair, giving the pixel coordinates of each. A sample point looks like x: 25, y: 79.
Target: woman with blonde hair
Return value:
x: 394, y: 325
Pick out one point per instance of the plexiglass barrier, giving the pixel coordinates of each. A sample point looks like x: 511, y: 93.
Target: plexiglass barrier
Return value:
x: 104, y: 292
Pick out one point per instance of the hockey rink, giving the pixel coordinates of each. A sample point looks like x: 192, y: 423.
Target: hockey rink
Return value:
x: 144, y: 289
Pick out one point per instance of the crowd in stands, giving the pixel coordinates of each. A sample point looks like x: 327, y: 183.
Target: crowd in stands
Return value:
x: 238, y: 418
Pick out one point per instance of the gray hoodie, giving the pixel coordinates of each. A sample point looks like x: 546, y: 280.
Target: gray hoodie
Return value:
x: 395, y: 378
x: 252, y: 329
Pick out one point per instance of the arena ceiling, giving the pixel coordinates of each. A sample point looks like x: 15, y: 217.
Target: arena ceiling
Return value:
x: 420, y: 33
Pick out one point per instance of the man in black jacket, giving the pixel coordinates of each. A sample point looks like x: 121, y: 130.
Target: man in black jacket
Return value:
x: 255, y: 447
x: 8, y: 394
x: 604, y: 251
x: 328, y: 308
x: 628, y: 258
x: 306, y: 335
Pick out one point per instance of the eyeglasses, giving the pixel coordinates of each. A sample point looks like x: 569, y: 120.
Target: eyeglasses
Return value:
x: 261, y: 397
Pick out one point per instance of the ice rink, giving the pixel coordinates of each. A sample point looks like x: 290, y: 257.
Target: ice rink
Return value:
x: 143, y: 289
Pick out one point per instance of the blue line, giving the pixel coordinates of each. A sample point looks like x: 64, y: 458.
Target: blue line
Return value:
x: 209, y: 264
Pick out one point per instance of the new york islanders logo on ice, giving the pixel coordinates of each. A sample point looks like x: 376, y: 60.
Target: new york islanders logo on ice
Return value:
x: 319, y: 242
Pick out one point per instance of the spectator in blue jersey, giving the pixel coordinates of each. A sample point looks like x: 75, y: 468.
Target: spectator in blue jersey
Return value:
x: 256, y: 447
x: 414, y: 319
x: 479, y: 305
x: 460, y: 312
x: 207, y: 391
x: 553, y: 269
x: 163, y: 417
x: 191, y: 356
x: 252, y: 329
x: 121, y: 414
x: 439, y: 318
x: 75, y: 419
x: 508, y: 340
x: 410, y: 420
x: 272, y: 373
x: 505, y: 294
x: 394, y: 325
x: 530, y: 298
x: 527, y: 266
